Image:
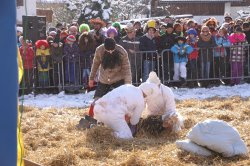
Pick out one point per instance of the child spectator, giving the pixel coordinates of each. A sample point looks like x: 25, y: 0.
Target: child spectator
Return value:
x: 43, y: 62
x: 27, y: 54
x: 71, y: 61
x: 220, y: 53
x: 192, y: 40
x: 181, y: 50
x: 238, y: 39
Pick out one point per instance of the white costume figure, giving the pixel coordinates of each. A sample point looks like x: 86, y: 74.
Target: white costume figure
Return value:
x: 162, y: 102
x: 111, y: 109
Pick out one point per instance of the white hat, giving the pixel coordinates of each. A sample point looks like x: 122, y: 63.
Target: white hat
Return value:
x: 153, y: 78
x: 19, y: 29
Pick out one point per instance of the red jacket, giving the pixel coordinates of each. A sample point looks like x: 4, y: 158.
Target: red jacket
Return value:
x: 195, y: 53
x: 28, y: 58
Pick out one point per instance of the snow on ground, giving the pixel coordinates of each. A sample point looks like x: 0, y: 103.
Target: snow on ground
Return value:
x: 62, y: 100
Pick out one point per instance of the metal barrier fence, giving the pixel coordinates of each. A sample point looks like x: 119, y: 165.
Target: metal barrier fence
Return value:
x: 71, y: 73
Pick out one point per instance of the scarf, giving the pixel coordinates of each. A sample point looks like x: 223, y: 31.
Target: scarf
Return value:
x: 205, y: 38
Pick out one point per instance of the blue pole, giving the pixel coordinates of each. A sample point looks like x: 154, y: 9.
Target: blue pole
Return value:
x: 8, y: 84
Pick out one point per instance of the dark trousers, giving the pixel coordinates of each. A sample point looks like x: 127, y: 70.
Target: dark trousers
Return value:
x: 103, y: 89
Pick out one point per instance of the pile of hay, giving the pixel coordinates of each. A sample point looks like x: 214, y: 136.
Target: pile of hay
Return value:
x: 51, y: 137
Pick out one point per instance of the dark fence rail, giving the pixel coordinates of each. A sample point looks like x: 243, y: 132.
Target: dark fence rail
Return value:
x: 227, y: 65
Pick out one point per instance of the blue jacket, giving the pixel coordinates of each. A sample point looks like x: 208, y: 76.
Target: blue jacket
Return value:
x: 181, y: 52
x: 223, y: 42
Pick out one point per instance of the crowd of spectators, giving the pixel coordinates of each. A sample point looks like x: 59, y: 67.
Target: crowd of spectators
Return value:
x: 178, y: 50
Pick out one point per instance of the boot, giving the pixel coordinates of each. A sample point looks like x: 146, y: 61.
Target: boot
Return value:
x: 91, y: 110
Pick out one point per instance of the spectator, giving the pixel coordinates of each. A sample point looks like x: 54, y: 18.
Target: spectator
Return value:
x: 71, y: 63
x: 192, y: 40
x: 117, y: 26
x: 84, y: 28
x: 178, y: 29
x: 148, y: 45
x: 238, y: 39
x: 220, y: 53
x: 73, y: 30
x: 206, y: 43
x: 43, y: 62
x: 19, y: 32
x: 87, y: 49
x: 227, y: 18
x: 27, y: 54
x: 138, y: 29
x: 181, y: 50
x: 112, y: 33
x: 98, y: 31
x: 167, y: 41
x: 131, y: 44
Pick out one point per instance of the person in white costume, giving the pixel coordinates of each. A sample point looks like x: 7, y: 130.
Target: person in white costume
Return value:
x: 111, y: 109
x: 162, y: 102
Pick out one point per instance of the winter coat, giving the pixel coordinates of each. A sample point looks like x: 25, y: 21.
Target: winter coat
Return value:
x: 87, y: 50
x: 147, y: 44
x: 28, y: 57
x: 71, y: 54
x: 43, y: 59
x: 56, y: 53
x: 167, y: 41
x: 206, y: 49
x: 111, y: 109
x: 195, y: 53
x: 181, y: 52
x: 110, y: 76
x: 238, y: 48
x: 222, y: 42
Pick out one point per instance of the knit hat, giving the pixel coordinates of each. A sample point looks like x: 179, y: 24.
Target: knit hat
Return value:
x: 71, y: 38
x: 111, y: 30
x: 109, y: 44
x: 84, y: 27
x: 117, y: 25
x: 52, y: 33
x: 151, y: 24
x: 192, y: 31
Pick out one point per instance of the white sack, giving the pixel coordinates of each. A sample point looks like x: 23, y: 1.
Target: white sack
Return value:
x: 218, y: 136
x: 192, y: 147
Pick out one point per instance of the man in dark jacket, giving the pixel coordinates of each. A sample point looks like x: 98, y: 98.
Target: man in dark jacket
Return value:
x: 167, y: 41
x: 148, y: 45
x: 131, y: 44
